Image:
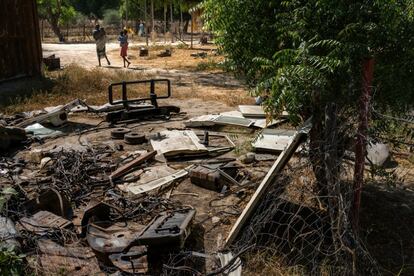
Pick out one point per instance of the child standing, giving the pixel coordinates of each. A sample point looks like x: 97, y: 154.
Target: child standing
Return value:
x: 123, y: 42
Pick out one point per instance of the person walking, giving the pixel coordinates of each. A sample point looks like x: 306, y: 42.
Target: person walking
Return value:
x: 99, y: 35
x: 123, y: 42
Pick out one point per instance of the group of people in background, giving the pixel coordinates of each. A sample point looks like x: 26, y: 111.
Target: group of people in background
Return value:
x: 100, y: 38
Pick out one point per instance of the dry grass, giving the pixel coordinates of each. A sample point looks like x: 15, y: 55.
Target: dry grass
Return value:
x: 181, y: 58
x: 92, y: 85
x: 71, y: 83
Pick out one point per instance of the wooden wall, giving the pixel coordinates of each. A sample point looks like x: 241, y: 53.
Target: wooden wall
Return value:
x: 20, y: 46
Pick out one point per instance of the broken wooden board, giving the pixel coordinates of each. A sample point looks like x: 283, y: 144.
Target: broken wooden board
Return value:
x: 149, y: 174
x: 58, y: 260
x: 253, y: 111
x: 152, y: 185
x: 273, y: 140
x: 256, y: 111
x: 269, y: 179
x: 201, y: 121
x: 57, y: 116
x: 123, y: 170
x: 175, y: 142
x: 44, y: 221
x: 233, y: 120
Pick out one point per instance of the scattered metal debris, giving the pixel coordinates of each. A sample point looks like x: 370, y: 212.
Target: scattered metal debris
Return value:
x: 169, y: 230
x: 120, y: 201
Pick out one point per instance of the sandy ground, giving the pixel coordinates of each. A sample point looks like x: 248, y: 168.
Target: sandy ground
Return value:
x: 181, y: 69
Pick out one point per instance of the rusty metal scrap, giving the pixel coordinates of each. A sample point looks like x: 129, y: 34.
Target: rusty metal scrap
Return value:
x: 112, y: 239
x: 134, y: 261
x: 167, y: 230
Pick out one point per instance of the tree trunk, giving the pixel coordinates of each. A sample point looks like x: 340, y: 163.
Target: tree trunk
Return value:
x: 152, y: 16
x: 316, y: 154
x: 185, y: 28
x: 361, y: 138
x: 54, y: 23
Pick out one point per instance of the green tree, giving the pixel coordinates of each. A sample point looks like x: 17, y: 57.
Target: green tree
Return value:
x: 56, y: 12
x: 309, y: 57
x: 95, y: 8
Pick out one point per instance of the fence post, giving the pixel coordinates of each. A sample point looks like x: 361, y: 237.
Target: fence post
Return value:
x: 361, y: 137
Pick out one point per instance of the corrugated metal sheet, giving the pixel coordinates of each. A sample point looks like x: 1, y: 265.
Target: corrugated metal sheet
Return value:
x: 20, y: 47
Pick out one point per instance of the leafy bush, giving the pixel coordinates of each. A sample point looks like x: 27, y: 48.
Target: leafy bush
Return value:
x: 11, y: 263
x: 112, y: 17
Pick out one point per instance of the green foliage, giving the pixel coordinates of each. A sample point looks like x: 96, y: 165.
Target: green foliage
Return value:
x: 302, y: 54
x: 94, y: 7
x: 61, y: 10
x: 112, y: 17
x: 11, y: 263
x: 244, y: 31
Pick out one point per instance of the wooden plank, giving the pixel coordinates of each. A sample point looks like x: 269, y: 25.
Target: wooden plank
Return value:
x: 269, y: 179
x: 144, y: 188
x: 128, y: 167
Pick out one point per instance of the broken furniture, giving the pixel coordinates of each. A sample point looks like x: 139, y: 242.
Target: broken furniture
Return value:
x: 131, y: 112
x: 167, y: 230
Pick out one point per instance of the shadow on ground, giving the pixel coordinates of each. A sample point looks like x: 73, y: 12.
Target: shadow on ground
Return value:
x: 387, y: 224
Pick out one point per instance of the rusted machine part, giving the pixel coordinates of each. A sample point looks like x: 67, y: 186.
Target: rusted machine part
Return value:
x: 111, y: 239
x: 44, y: 221
x: 134, y: 261
x: 167, y: 230
x: 134, y: 138
x: 52, y: 201
x: 119, y: 133
x: 97, y: 211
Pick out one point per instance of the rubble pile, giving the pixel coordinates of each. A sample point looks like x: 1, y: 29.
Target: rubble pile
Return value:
x: 117, y: 197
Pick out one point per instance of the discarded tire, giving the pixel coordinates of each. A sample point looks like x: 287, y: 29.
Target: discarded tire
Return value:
x: 134, y: 138
x: 119, y: 133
